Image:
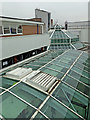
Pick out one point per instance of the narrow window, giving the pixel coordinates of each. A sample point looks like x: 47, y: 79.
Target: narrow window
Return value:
x: 6, y: 30
x: 13, y: 30
x: 1, y: 30
x: 20, y: 29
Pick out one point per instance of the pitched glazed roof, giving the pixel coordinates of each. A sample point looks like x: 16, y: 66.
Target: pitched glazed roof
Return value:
x: 68, y: 97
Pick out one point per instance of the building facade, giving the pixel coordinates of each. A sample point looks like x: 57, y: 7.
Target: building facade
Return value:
x: 45, y: 16
x: 81, y: 28
x: 20, y: 39
x: 18, y: 27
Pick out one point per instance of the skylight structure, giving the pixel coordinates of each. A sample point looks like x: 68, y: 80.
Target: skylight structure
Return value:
x: 63, y: 39
x: 67, y: 97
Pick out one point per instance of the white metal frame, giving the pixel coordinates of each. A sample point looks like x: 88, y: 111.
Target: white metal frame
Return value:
x: 49, y: 95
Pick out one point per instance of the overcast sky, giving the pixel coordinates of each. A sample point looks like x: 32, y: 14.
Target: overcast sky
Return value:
x: 60, y: 11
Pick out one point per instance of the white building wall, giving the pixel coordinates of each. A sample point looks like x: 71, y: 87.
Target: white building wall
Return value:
x: 84, y: 35
x: 83, y: 29
x: 89, y: 35
x: 12, y: 46
x: 43, y: 16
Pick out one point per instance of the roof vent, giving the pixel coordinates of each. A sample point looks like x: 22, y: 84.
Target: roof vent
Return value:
x: 41, y: 81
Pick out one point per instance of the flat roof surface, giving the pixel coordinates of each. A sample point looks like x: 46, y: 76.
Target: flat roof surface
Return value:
x: 68, y: 98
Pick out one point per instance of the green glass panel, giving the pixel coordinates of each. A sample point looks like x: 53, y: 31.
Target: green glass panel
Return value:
x: 1, y: 90
x: 70, y: 56
x: 53, y: 109
x: 81, y: 72
x: 59, y: 67
x: 73, y: 82
x: 66, y: 61
x: 40, y: 116
x: 6, y: 83
x: 51, y: 72
x: 37, y: 63
x: 88, y: 114
x: 79, y: 77
x: 84, y: 63
x: 81, y: 66
x: 43, y: 60
x: 33, y: 67
x: 59, y: 75
x: 14, y: 108
x: 78, y: 45
x: 73, y: 99
x: 61, y: 63
x: 51, y: 41
x: 42, y: 69
x: 87, y: 69
x: 56, y: 67
x: 29, y: 94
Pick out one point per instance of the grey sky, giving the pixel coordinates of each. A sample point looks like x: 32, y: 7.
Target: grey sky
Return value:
x: 61, y: 11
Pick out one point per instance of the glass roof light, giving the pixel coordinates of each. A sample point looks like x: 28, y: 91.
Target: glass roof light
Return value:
x: 18, y: 73
x: 59, y: 89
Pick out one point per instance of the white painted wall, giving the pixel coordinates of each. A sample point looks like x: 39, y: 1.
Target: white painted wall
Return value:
x: 89, y: 35
x: 84, y: 35
x: 11, y: 46
x: 43, y: 16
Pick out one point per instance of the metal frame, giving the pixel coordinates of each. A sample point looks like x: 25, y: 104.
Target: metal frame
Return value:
x: 60, y: 82
x: 76, y: 89
x: 49, y: 95
x: 78, y: 80
x: 67, y: 107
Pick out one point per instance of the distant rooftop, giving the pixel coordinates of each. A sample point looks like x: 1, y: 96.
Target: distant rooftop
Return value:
x: 15, y: 18
x: 79, y: 21
x: 23, y: 19
x: 20, y: 20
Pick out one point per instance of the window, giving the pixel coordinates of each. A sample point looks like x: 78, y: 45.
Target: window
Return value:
x: 20, y: 29
x: 6, y: 30
x: 1, y: 30
x: 10, y: 29
x: 13, y: 30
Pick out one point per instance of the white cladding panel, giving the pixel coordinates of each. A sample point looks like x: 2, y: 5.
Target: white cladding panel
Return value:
x: 84, y: 35
x: 44, y: 17
x: 12, y: 46
x: 89, y: 35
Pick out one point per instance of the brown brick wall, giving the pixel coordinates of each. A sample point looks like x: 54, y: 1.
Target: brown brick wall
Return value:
x: 31, y: 29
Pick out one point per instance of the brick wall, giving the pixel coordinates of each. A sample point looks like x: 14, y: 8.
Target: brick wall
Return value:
x: 31, y: 29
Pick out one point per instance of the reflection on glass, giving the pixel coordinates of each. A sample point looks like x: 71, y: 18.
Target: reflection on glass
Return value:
x: 29, y: 94
x: 14, y: 108
x: 72, y: 99
x: 53, y: 109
